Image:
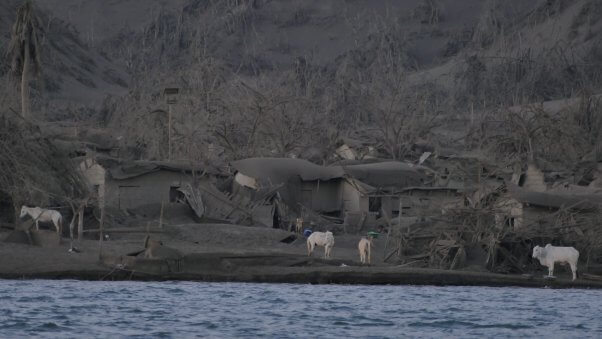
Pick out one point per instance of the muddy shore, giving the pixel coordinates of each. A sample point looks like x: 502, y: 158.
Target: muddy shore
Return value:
x: 350, y: 276
x: 226, y: 253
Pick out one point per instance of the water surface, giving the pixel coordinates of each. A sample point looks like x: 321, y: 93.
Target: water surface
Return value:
x: 65, y: 308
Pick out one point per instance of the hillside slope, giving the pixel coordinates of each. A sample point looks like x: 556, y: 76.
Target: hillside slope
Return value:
x: 264, y: 77
x: 73, y: 75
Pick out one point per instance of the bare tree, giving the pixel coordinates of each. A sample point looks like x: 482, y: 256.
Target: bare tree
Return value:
x: 34, y: 171
x: 24, y: 51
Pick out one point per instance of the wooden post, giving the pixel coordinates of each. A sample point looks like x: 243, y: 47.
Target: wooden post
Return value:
x: 161, y: 215
x: 80, y: 223
x: 471, y: 115
x: 388, y: 233
x: 71, y: 225
x: 101, y: 228
x: 169, y: 133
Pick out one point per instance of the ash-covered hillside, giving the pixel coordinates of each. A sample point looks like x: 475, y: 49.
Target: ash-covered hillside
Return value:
x: 75, y: 78
x: 298, y: 78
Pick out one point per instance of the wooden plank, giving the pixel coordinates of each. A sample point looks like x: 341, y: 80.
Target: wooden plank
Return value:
x: 226, y: 201
x: 125, y: 230
x: 391, y: 254
x: 591, y: 276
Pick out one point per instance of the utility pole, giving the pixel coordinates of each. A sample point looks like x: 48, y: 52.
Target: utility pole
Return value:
x: 171, y: 98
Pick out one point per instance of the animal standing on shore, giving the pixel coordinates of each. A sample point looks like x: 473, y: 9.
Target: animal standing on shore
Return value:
x: 154, y: 249
x: 320, y: 239
x: 550, y: 255
x: 364, y: 246
x: 44, y: 215
x: 150, y: 247
x: 299, y: 225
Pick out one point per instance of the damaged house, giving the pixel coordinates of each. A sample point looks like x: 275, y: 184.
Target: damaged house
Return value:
x: 287, y: 186
x: 295, y: 187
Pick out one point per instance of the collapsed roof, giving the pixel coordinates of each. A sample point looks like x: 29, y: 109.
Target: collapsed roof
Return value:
x: 388, y: 174
x: 122, y: 170
x: 556, y: 200
x: 273, y: 171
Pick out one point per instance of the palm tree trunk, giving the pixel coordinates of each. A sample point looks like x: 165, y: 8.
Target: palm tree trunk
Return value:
x: 25, y: 104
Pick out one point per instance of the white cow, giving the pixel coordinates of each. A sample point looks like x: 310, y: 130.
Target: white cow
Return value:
x: 550, y: 255
x: 320, y: 239
x: 364, y: 247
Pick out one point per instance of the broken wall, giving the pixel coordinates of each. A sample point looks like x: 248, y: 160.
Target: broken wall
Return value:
x: 151, y: 188
x: 534, y: 179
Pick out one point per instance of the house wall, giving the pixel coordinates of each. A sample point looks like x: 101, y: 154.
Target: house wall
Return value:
x: 151, y: 188
x: 352, y: 201
x: 321, y: 196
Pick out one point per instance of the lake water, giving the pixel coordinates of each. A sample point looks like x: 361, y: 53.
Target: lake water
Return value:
x: 65, y: 308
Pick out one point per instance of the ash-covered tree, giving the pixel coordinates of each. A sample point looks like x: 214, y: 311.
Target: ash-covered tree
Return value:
x: 24, y: 51
x: 33, y: 170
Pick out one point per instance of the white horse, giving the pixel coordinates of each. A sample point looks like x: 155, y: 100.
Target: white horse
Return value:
x: 44, y: 215
x: 364, y: 246
x: 320, y: 239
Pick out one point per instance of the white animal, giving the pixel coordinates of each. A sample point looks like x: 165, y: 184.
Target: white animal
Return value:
x: 150, y: 247
x: 550, y: 255
x: 299, y: 225
x: 320, y: 239
x: 44, y: 215
x: 364, y: 246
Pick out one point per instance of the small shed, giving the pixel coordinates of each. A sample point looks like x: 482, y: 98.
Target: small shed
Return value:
x: 132, y: 184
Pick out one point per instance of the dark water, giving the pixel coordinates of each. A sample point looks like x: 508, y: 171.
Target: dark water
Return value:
x: 42, y: 308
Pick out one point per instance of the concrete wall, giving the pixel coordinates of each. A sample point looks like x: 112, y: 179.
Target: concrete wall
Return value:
x: 151, y: 188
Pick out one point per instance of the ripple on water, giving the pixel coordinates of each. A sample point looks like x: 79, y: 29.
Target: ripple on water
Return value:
x: 184, y: 309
